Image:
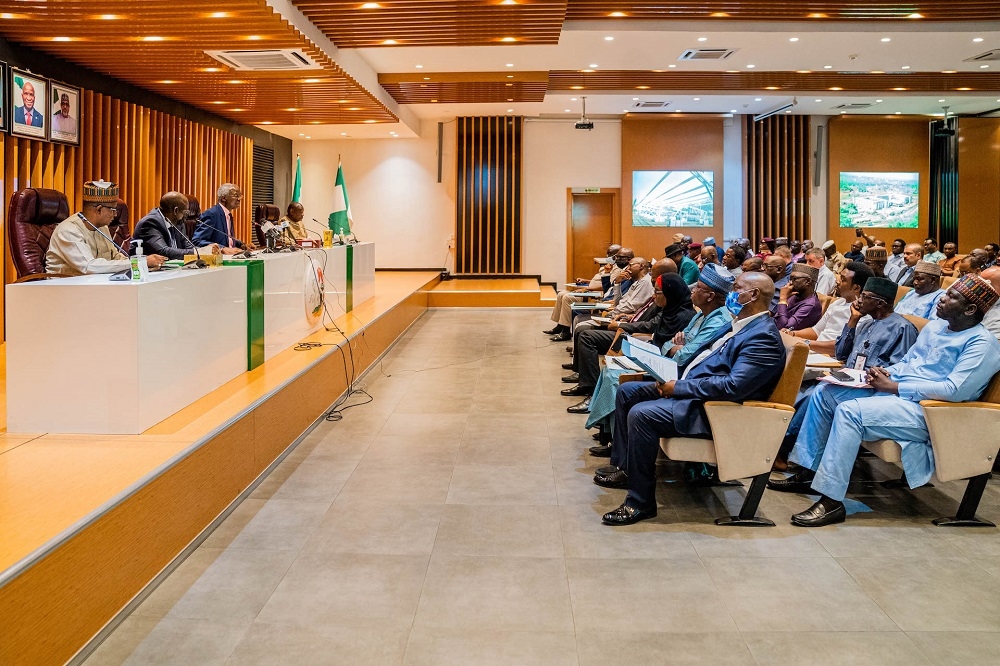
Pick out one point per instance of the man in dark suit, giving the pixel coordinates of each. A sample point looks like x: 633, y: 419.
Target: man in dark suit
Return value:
x: 744, y: 364
x: 216, y: 224
x: 159, y: 231
x: 26, y: 114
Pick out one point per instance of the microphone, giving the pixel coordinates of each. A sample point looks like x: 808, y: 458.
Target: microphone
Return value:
x: 318, y: 235
x: 285, y: 234
x: 198, y: 262
x: 106, y: 237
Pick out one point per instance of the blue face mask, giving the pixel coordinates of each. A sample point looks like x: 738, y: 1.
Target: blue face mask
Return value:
x: 733, y: 303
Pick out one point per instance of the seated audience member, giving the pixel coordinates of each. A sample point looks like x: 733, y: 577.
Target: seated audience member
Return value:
x: 827, y: 280
x: 992, y: 319
x: 620, y: 281
x: 159, y: 229
x: 686, y: 268
x: 912, y: 254
x: 798, y: 254
x: 981, y: 255
x: 774, y: 268
x: 562, y: 312
x: 953, y: 359
x: 733, y: 259
x: 638, y: 295
x: 216, y: 224
x: 684, y: 242
x: 922, y: 300
x: 675, y: 312
x: 807, y: 245
x: 765, y: 248
x: 931, y: 252
x: 856, y: 254
x: 823, y: 335
x: 743, y: 364
x: 752, y: 265
x: 709, y: 255
x: 781, y: 241
x: 745, y: 244
x: 694, y: 253
x: 296, y: 229
x: 878, y: 242
x: 876, y: 258
x: 991, y: 255
x: 590, y: 343
x: 951, y: 258
x: 874, y: 336
x: 786, y: 256
x: 709, y: 296
x: 80, y: 244
x: 969, y: 264
x: 895, y: 261
x: 798, y: 306
x: 710, y: 241
x: 834, y: 260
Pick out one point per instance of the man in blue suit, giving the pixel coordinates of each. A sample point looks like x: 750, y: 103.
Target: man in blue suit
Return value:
x: 216, y: 223
x: 26, y: 114
x: 743, y: 364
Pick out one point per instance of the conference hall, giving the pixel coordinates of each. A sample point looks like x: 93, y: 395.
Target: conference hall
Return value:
x: 488, y: 332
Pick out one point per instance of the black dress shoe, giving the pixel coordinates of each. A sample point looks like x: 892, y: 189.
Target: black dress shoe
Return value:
x: 617, y: 479
x: 582, y: 407
x: 824, y: 512
x: 800, y: 482
x: 562, y: 337
x: 597, y: 435
x: 626, y: 515
x: 567, y: 366
x: 607, y: 470
x: 601, y: 451
x: 555, y: 329
x: 571, y: 379
x: 577, y: 390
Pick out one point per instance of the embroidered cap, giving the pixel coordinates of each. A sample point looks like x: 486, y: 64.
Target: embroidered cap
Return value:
x: 883, y: 288
x: 927, y: 267
x: 710, y: 240
x: 100, y: 192
x: 977, y: 291
x: 810, y: 272
x: 712, y: 278
x: 876, y: 254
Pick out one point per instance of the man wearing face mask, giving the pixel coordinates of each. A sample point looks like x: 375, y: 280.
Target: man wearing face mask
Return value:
x: 745, y: 363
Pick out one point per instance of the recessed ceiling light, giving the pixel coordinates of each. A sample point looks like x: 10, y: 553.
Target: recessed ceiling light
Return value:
x: 509, y: 2
x: 732, y: 111
x: 878, y: 101
x: 238, y: 110
x: 343, y: 134
x: 508, y: 39
x: 772, y: 88
x: 576, y: 87
x: 61, y: 39
x: 510, y: 110
x: 593, y: 65
x: 308, y: 137
x: 624, y: 110
x: 757, y: 99
x: 984, y: 67
x: 267, y: 122
x: 509, y: 99
x: 389, y: 42
x: 915, y: 15
x: 254, y: 38
x: 671, y: 66
x: 510, y: 76
x: 949, y: 71
x: 235, y: 82
x: 510, y: 64
x: 211, y: 69
x: 899, y: 88
x: 218, y: 15
x: 635, y: 99
x: 293, y: 109
x: 110, y: 17
x: 703, y: 39
x: 568, y: 111
x: 963, y: 88
x: 751, y: 66
x: 427, y: 78
x: 677, y: 110
x: 167, y: 81
x: 310, y: 81
x: 697, y: 99
x: 218, y: 102
x: 899, y: 113
x: 977, y: 39
x: 643, y: 87
x: 793, y: 39
x: 843, y: 112
x: 887, y: 39
x: 609, y: 38
x: 370, y: 121
x: 616, y: 14
x: 152, y: 38
x: 942, y: 100
x: 905, y: 67
x: 836, y: 88
x: 371, y: 5
x: 817, y: 16
x: 419, y: 66
x: 803, y: 71
x: 788, y: 111
x: 572, y: 99
x: 818, y: 100
x: 827, y: 66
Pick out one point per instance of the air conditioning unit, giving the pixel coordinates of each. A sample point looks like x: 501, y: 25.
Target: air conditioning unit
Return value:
x: 707, y: 54
x: 265, y: 60
x: 989, y: 55
x: 650, y: 105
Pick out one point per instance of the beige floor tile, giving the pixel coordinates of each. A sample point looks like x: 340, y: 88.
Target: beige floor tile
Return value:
x: 176, y: 585
x: 412, y: 449
x: 502, y: 485
x: 958, y: 648
x: 328, y: 589
x: 584, y: 536
x: 181, y: 642
x: 319, y: 481
x: 503, y: 425
x: 645, y: 595
x: 271, y: 644
x: 431, y: 426
x: 503, y: 450
x: 434, y: 403
x: 500, y: 531
x: 766, y: 594
x: 835, y: 648
x: 778, y: 541
x: 930, y: 593
x: 609, y: 648
x: 401, y: 484
x: 123, y: 641
x: 499, y: 593
x: 360, y: 527
x: 487, y: 648
x: 868, y: 541
x: 281, y: 525
x: 234, y: 523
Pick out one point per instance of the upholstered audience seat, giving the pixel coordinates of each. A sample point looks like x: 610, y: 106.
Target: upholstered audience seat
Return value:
x: 746, y: 437
x: 31, y: 218
x: 261, y: 214
x: 825, y: 301
x: 194, y: 212
x: 965, y: 444
x: 947, y: 281
x: 900, y: 292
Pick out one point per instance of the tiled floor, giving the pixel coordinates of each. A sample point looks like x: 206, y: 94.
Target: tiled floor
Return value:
x: 453, y: 521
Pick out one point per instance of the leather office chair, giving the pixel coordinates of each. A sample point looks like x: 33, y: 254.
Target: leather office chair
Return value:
x: 264, y: 213
x: 120, y: 227
x: 31, y: 219
x: 194, y: 212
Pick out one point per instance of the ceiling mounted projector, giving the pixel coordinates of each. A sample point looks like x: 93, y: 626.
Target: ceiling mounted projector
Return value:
x: 583, y: 123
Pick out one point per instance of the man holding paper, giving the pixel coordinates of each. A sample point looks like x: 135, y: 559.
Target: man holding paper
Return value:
x: 744, y: 364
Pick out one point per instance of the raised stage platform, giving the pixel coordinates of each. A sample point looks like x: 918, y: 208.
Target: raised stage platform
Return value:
x: 87, y: 521
x: 513, y: 292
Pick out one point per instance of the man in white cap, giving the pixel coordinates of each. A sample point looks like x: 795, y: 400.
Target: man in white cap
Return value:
x: 80, y: 245
x: 835, y: 261
x: 923, y: 299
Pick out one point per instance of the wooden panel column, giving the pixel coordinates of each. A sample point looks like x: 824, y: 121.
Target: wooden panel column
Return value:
x: 777, y: 177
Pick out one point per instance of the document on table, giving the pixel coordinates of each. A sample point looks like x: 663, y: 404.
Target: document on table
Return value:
x: 602, y: 320
x: 847, y: 377
x: 822, y: 361
x: 648, y: 356
x: 622, y: 363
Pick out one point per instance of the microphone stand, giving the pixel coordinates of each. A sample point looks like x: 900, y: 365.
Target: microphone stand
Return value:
x: 198, y: 262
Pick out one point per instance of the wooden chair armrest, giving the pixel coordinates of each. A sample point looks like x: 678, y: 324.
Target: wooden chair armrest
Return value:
x: 631, y: 377
x: 40, y: 276
x: 961, y: 405
x: 642, y: 336
x: 769, y: 405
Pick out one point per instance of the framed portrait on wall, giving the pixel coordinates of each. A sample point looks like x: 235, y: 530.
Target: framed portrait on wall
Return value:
x: 27, y: 104
x: 4, y: 120
x: 64, y: 113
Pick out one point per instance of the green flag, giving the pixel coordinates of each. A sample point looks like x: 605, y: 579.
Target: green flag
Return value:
x: 340, y: 219
x: 297, y: 190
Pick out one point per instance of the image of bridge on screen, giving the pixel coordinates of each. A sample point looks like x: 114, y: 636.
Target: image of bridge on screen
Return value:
x: 673, y: 198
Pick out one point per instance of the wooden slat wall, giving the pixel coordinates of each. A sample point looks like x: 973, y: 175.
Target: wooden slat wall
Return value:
x: 488, y: 217
x: 146, y: 152
x: 777, y: 177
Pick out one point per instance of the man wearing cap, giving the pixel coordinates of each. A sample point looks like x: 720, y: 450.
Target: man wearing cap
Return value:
x: 694, y: 253
x: 834, y: 260
x: 682, y: 240
x: 798, y: 306
x: 951, y: 259
x: 708, y: 295
x: 81, y: 246
x: 710, y: 241
x: 992, y: 319
x: 931, y: 252
x: 562, y: 312
x: 686, y: 268
x: 912, y: 253
x: 827, y: 281
x: 953, y: 360
x: 876, y: 258
x: 922, y: 300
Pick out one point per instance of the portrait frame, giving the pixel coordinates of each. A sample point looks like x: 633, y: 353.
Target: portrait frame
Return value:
x: 58, y: 131
x: 18, y: 78
x: 4, y: 120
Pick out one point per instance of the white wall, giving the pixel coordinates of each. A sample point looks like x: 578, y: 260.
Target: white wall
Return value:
x: 557, y: 157
x: 817, y: 202
x: 395, y: 197
x: 733, y: 222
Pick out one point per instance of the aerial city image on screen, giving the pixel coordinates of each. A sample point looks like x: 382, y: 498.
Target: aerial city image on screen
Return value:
x: 873, y: 199
x: 672, y: 199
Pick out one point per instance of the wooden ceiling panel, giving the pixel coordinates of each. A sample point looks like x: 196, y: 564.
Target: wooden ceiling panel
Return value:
x: 436, y: 23
x: 782, y: 10
x: 631, y: 80
x: 466, y: 87
x: 161, y: 48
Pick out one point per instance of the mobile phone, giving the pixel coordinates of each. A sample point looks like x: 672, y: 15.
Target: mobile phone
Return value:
x: 842, y: 376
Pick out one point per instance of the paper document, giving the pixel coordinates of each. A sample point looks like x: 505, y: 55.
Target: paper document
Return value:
x: 636, y: 343
x: 648, y: 356
x: 847, y: 377
x: 822, y: 361
x: 591, y: 306
x: 602, y: 320
x: 622, y: 363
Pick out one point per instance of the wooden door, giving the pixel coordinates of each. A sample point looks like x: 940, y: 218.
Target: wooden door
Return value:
x: 591, y: 231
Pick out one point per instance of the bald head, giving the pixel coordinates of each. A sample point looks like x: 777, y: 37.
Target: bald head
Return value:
x: 992, y: 275
x: 661, y: 267
x: 760, y: 290
x: 613, y: 249
x: 174, y: 206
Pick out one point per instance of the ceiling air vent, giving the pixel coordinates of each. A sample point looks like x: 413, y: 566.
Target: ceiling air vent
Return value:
x: 265, y: 60
x: 707, y: 54
x: 854, y: 106
x: 650, y: 105
x: 989, y: 55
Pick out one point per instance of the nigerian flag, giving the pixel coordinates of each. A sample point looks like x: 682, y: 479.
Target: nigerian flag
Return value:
x: 340, y: 219
x: 297, y: 189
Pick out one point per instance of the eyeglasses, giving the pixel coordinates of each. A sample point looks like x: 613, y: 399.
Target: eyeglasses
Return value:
x: 871, y: 298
